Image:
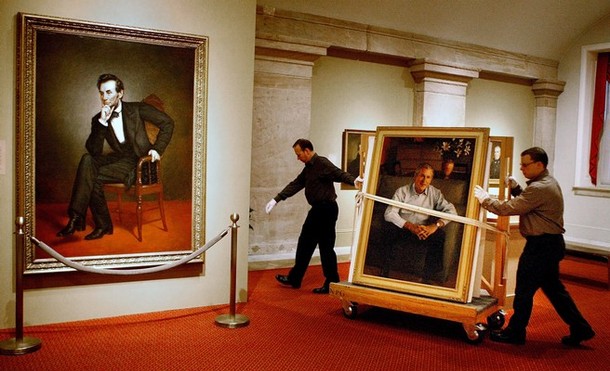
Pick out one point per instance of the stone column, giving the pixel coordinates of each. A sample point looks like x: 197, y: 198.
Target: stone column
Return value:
x: 440, y: 93
x: 546, y: 93
x: 281, y: 114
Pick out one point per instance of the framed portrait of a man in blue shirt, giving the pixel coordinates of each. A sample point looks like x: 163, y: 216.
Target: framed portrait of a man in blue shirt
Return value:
x: 414, y: 235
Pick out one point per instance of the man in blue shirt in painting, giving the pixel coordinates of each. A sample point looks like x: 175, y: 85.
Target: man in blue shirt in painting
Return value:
x: 418, y: 229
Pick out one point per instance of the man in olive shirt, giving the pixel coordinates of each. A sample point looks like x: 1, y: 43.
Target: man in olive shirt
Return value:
x: 318, y: 177
x: 540, y: 210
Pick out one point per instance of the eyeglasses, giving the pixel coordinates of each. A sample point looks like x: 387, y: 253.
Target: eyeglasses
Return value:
x: 528, y: 164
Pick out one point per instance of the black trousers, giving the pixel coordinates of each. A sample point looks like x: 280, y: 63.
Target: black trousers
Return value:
x: 92, y: 174
x: 318, y: 230
x: 539, y: 268
x: 434, y: 246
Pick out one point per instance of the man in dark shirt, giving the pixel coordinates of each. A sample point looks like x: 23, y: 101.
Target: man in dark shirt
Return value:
x: 317, y: 178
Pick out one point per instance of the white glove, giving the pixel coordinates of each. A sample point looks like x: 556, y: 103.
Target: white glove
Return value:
x: 270, y: 205
x: 358, y: 180
x: 155, y: 155
x: 511, y: 182
x: 480, y: 194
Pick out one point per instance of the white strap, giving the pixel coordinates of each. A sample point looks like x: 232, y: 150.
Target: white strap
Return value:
x: 423, y: 210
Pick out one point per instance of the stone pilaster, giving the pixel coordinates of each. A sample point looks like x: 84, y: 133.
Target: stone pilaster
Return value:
x: 546, y: 93
x: 281, y: 114
x: 440, y: 93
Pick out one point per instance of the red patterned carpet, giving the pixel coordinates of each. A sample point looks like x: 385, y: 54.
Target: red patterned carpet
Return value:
x: 297, y: 330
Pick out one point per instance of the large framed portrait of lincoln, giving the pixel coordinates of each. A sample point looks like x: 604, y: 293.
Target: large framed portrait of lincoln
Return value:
x: 415, y: 234
x: 110, y: 145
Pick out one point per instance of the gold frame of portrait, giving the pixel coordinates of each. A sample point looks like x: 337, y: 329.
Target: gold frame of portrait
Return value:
x: 194, y: 72
x: 350, y: 138
x: 497, y: 186
x: 460, y: 290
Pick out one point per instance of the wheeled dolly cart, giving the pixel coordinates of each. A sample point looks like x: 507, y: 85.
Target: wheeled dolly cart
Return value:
x: 476, y: 317
x: 471, y: 315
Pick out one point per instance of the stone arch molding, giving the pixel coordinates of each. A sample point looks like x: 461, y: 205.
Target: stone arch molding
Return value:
x: 300, y: 36
x: 286, y: 40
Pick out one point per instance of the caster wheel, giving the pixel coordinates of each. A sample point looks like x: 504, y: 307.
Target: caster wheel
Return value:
x: 495, y: 321
x: 475, y: 334
x: 350, y: 311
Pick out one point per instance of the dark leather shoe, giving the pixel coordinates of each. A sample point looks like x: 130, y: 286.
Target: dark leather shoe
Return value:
x: 98, y: 233
x: 76, y: 223
x: 575, y: 338
x: 284, y: 280
x: 325, y: 288
x: 508, y: 336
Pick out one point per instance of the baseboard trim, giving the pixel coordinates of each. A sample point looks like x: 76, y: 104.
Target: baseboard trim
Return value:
x: 286, y: 260
x: 587, y: 246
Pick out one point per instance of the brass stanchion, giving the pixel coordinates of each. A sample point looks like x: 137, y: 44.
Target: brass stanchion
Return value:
x: 233, y: 320
x: 19, y: 344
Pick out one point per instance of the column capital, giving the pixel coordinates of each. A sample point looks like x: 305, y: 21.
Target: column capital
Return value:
x: 546, y: 92
x: 422, y: 68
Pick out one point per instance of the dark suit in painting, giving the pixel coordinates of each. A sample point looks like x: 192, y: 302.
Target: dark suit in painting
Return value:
x: 97, y: 168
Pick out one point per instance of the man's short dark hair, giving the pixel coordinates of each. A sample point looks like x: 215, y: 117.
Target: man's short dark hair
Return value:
x: 537, y: 154
x: 110, y: 77
x: 304, y: 144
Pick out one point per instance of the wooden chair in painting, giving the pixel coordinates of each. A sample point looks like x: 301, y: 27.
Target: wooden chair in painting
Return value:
x: 148, y: 179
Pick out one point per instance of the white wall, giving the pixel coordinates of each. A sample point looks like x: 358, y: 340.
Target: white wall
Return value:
x: 230, y: 26
x: 350, y: 94
x: 586, y: 217
x: 507, y: 109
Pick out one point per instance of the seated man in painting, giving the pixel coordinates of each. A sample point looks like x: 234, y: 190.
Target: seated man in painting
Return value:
x: 121, y: 125
x: 416, y: 229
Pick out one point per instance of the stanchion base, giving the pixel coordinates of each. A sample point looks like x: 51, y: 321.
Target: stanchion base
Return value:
x: 16, y: 346
x: 232, y: 321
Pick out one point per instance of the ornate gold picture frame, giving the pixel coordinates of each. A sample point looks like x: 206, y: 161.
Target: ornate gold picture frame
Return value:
x: 398, y: 152
x: 354, y: 150
x: 59, y: 61
x: 500, y: 166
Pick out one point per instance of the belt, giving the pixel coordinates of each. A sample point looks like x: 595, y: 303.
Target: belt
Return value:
x: 542, y: 236
x: 322, y: 203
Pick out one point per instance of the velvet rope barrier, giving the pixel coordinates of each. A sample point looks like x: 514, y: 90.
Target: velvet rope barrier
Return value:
x: 125, y: 272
